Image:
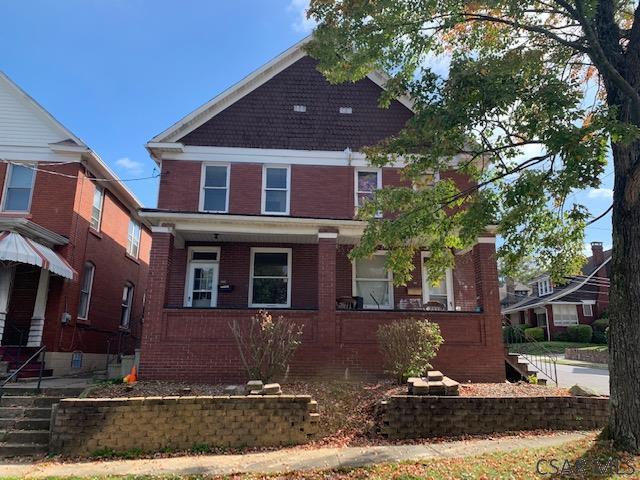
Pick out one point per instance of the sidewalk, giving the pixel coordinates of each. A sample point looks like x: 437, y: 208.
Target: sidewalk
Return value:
x: 284, y: 460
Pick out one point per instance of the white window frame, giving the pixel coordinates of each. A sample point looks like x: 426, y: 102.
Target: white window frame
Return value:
x: 102, y: 195
x: 85, y: 315
x: 378, y: 172
x: 130, y: 238
x: 354, y: 289
x: 548, y: 288
x: 6, y: 187
x: 565, y: 323
x: 590, y: 304
x: 190, y: 261
x: 255, y: 250
x: 203, y: 177
x: 128, y: 305
x: 451, y: 305
x: 263, y: 206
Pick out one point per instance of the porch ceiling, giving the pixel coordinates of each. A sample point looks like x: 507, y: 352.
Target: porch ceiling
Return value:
x: 240, y: 237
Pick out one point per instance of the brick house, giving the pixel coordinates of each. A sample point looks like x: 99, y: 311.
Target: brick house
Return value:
x: 256, y: 210
x: 581, y: 300
x: 74, y: 253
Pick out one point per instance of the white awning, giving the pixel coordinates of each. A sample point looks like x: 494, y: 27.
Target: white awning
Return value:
x: 16, y: 248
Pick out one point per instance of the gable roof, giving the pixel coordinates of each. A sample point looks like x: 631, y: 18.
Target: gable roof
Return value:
x: 71, y: 143
x: 245, y: 86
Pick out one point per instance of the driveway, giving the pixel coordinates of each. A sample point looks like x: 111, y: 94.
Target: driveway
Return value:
x: 595, y: 378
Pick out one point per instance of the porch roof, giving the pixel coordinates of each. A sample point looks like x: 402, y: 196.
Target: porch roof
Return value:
x: 16, y: 248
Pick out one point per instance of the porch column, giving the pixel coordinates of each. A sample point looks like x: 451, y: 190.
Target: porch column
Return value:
x: 37, y: 319
x: 486, y: 270
x: 6, y: 282
x: 327, y: 242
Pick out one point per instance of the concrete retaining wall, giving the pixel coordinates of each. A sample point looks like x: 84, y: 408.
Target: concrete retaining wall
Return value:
x: 583, y: 355
x: 403, y: 417
x: 84, y: 426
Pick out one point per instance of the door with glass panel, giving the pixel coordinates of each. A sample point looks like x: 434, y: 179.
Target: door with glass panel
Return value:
x: 202, y: 286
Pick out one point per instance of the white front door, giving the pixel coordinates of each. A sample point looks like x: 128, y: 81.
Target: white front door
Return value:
x: 202, y: 291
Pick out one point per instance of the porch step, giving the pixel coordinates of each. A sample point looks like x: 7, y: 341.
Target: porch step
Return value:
x: 25, y: 436
x: 25, y: 423
x: 23, y: 449
x: 17, y: 390
x: 31, y: 412
x: 27, y: 401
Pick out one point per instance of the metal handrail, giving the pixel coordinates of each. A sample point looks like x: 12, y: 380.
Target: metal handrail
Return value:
x: 545, y: 362
x: 19, y: 369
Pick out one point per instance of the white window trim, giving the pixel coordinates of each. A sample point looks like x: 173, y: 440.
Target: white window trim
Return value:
x: 101, y: 189
x: 590, y: 304
x: 187, y: 282
x: 264, y: 190
x: 93, y: 274
x: 132, y: 289
x: 354, y: 289
x: 6, y: 187
x: 203, y: 170
x: 378, y: 171
x: 137, y: 255
x: 425, y: 283
x: 544, y: 282
x: 255, y: 250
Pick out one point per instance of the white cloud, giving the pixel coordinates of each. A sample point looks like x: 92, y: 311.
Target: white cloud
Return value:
x: 131, y: 166
x: 600, y: 193
x: 301, y: 23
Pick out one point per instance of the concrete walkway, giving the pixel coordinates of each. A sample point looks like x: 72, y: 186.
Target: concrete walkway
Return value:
x: 284, y: 460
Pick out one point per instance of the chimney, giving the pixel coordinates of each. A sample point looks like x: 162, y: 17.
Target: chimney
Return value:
x: 600, y: 279
x: 597, y: 252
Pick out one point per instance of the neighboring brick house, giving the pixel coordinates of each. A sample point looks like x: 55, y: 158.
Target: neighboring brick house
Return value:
x: 256, y: 210
x: 555, y: 307
x: 74, y: 254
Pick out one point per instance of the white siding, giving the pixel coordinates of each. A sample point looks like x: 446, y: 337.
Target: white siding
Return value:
x: 22, y: 124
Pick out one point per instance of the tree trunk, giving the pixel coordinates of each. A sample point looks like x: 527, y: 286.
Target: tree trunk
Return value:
x: 624, y: 304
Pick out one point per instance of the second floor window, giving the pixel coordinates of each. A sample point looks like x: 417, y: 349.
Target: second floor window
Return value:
x: 19, y: 188
x: 85, y: 290
x: 215, y: 188
x: 133, y: 239
x: 127, y: 300
x: 275, y: 192
x: 544, y: 287
x: 367, y: 182
x: 96, y: 209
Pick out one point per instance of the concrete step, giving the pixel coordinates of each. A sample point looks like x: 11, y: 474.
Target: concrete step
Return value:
x: 23, y: 449
x: 25, y: 412
x: 20, y: 423
x: 18, y: 390
x: 25, y: 436
x: 27, y: 401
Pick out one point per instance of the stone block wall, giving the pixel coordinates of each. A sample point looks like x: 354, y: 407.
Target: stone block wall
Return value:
x: 584, y: 355
x: 84, y: 426
x: 403, y: 417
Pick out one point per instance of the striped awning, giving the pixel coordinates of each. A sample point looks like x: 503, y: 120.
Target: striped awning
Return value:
x: 17, y: 248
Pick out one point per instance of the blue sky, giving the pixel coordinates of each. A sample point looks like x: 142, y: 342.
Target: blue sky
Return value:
x: 117, y: 72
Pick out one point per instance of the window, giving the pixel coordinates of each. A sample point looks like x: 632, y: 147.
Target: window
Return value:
x: 442, y: 292
x: 202, y: 277
x: 544, y: 287
x: 367, y: 182
x: 564, y: 315
x: 587, y: 310
x: 346, y: 110
x: 275, y: 194
x: 133, y: 239
x: 373, y: 282
x: 215, y: 188
x: 96, y: 209
x: 19, y: 188
x: 85, y: 290
x: 127, y: 299
x: 300, y: 108
x: 270, y: 277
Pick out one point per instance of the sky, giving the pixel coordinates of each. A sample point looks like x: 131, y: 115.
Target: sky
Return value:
x: 118, y: 72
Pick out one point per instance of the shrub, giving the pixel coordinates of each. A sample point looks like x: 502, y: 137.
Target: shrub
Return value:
x: 561, y: 337
x: 599, y: 337
x: 580, y: 333
x: 535, y: 333
x: 514, y: 333
x: 407, y: 347
x: 265, y: 344
x: 600, y: 325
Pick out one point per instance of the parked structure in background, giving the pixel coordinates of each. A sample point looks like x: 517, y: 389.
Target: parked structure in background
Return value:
x: 256, y: 210
x: 513, y: 291
x: 581, y: 300
x: 74, y: 253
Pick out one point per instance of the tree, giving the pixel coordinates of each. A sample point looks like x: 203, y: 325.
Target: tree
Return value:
x: 560, y: 78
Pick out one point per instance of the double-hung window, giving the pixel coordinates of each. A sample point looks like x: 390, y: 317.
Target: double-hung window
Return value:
x: 270, y: 282
x: 564, y: 314
x: 276, y: 191
x: 133, y: 239
x: 367, y: 181
x: 96, y: 209
x: 215, y: 188
x: 587, y: 309
x: 127, y: 300
x: 373, y: 281
x: 440, y: 293
x: 544, y: 287
x: 85, y: 290
x: 19, y: 188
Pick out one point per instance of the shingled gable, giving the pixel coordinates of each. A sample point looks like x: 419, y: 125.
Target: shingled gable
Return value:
x: 258, y: 112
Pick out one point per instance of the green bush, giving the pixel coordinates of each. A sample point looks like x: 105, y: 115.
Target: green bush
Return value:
x: 561, y: 337
x: 535, y: 333
x: 407, y: 347
x: 580, y: 333
x: 599, y: 337
x: 514, y: 333
x: 600, y: 325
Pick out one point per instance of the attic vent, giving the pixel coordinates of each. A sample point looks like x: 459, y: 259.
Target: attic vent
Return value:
x: 300, y: 108
x: 346, y: 110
